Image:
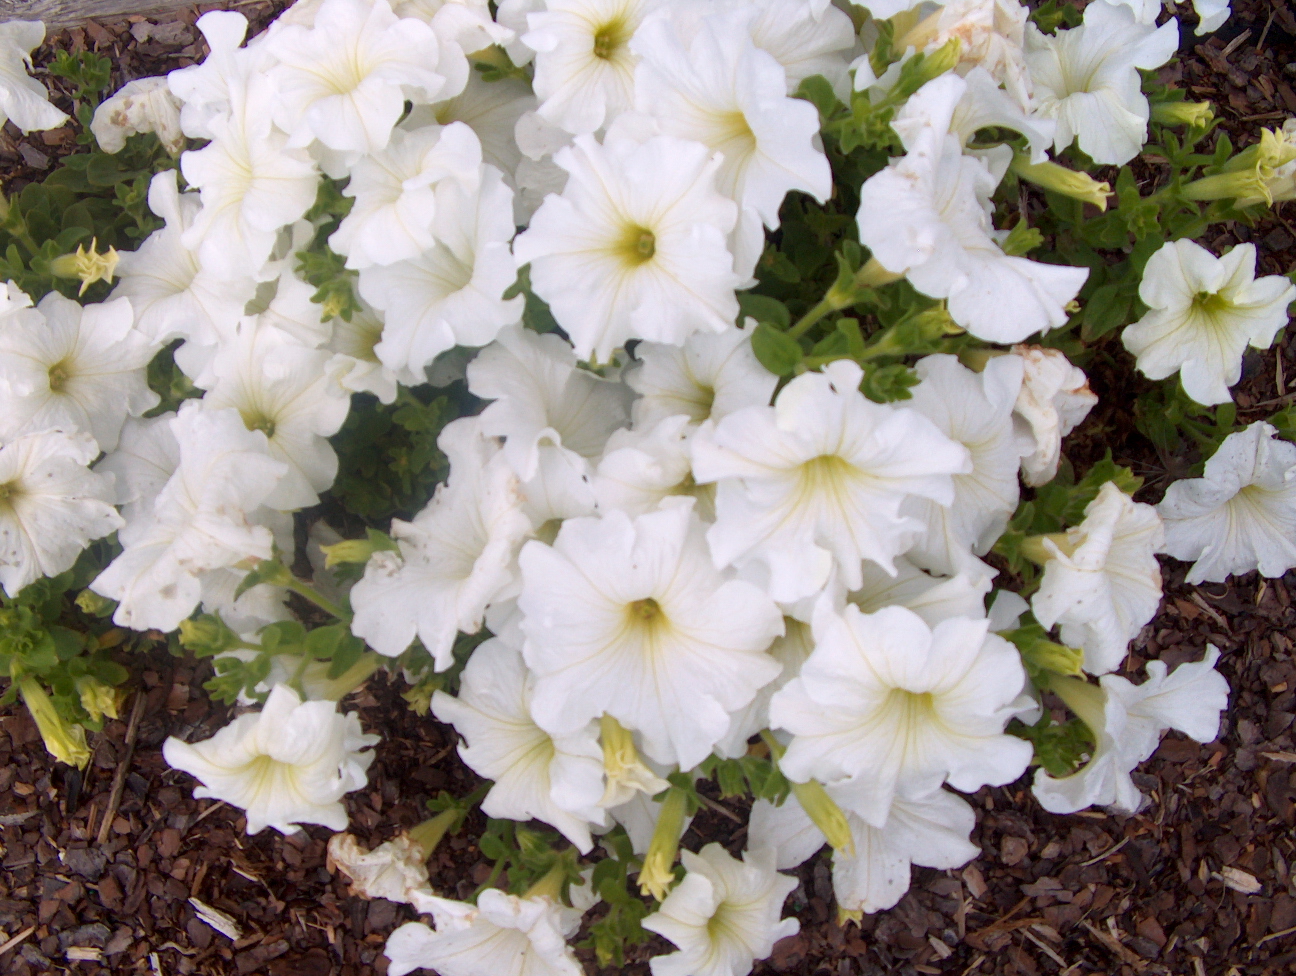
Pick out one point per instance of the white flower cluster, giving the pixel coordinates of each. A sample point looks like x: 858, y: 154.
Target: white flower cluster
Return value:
x: 672, y: 552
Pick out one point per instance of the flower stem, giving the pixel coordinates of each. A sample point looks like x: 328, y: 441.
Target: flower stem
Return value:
x: 304, y: 589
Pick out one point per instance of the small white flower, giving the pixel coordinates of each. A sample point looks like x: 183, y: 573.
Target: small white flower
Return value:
x: 281, y: 388
x: 142, y: 105
x: 708, y: 378
x: 1086, y: 79
x: 631, y: 618
x: 817, y: 481
x: 288, y: 764
x: 345, y: 80
x: 1241, y: 515
x: 1102, y: 582
x: 1054, y: 399
x: 1205, y: 311
x: 584, y: 65
x: 453, y: 293
x: 558, y: 780
x: 23, y: 99
x: 199, y: 522
x: 456, y: 556
x: 388, y: 871
x: 903, y: 706
x: 1127, y: 722
x: 74, y: 367
x: 51, y: 505
x: 927, y: 216
x: 975, y: 410
x: 635, y: 245
x: 724, y: 915
x: 502, y: 935
x: 395, y: 197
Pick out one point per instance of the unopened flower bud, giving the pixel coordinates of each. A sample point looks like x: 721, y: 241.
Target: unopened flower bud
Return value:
x: 92, y: 603
x: 626, y: 772
x: 658, y: 874
x: 65, y: 741
x: 357, y: 550
x: 826, y: 814
x: 1183, y: 113
x: 1068, y: 182
x: 98, y: 699
x: 89, y: 266
x: 207, y: 635
x: 1254, y: 174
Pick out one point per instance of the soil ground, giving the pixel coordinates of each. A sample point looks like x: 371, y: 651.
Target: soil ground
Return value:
x: 1200, y: 882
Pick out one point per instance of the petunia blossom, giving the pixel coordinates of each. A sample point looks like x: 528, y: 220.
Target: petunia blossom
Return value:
x: 23, y: 99
x: 1053, y: 400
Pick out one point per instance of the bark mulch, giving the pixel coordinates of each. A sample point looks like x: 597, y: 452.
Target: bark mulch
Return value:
x: 1197, y: 884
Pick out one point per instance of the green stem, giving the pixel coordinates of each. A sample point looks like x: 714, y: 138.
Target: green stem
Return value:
x: 304, y: 589
x: 803, y: 325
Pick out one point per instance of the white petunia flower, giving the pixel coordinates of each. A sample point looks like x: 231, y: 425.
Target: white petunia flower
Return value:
x: 1102, y: 582
x: 170, y: 291
x: 643, y: 468
x: 250, y: 183
x: 708, y: 378
x: 1127, y: 722
x: 345, y: 79
x: 23, y: 99
x: 51, y: 505
x: 453, y: 293
x: 1204, y: 312
x: 724, y: 915
x: 975, y: 410
x: 991, y: 36
x: 142, y: 105
x: 1054, y: 399
x: 502, y: 935
x: 1213, y: 14
x: 146, y: 456
x: 395, y: 197
x: 282, y: 389
x: 355, y: 365
x: 558, y: 780
x: 817, y: 481
x: 1241, y: 515
x: 790, y: 652
x: 805, y: 37
x: 199, y: 522
x: 584, y: 65
x: 456, y: 557
x: 718, y: 88
x: 388, y: 871
x: 288, y: 764
x: 903, y: 706
x: 74, y: 367
x: 491, y: 109
x: 209, y: 91
x: 930, y: 831
x: 634, y: 248
x: 631, y: 618
x: 1086, y: 79
x: 927, y: 216
x: 933, y: 598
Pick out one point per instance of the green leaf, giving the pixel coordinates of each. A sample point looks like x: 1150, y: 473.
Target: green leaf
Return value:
x: 1058, y: 748
x: 764, y: 309
x: 777, y: 351
x: 818, y: 91
x: 283, y: 637
x: 1108, y: 308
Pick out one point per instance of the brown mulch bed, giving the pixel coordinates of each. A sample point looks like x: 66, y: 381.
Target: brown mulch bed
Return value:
x: 1198, y: 883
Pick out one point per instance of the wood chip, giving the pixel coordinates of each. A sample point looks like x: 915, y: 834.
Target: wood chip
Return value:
x: 222, y: 923
x: 84, y: 954
x: 1239, y: 880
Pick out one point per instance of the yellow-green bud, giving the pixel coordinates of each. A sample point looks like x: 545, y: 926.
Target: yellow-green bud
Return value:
x: 823, y: 810
x: 92, y: 603
x: 1046, y: 655
x: 1183, y: 113
x: 657, y: 874
x: 208, y: 634
x: 1253, y: 175
x: 428, y: 834
x: 319, y: 685
x: 89, y: 266
x: 1068, y: 182
x: 1034, y: 548
x: 97, y: 698
x: 65, y: 741
x: 1088, y: 702
x: 357, y: 550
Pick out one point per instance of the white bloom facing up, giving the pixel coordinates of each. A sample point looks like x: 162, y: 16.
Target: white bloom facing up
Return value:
x: 724, y: 915
x: 23, y: 99
x: 975, y: 410
x: 142, y: 105
x: 288, y: 764
x: 79, y: 368
x: 1053, y: 400
x: 200, y: 521
x: 634, y: 248
x: 631, y: 618
x: 708, y: 378
x: 453, y: 293
x: 1241, y: 515
x: 558, y: 780
x: 1086, y: 79
x: 51, y: 505
x: 502, y: 935
x: 1204, y: 312
x: 584, y: 65
x: 817, y: 481
x: 345, y: 80
x: 903, y: 706
x: 455, y: 558
x: 718, y: 88
x: 927, y: 216
x: 1127, y: 722
x: 1102, y: 582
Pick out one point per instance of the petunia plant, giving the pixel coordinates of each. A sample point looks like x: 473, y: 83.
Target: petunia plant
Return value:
x: 675, y: 396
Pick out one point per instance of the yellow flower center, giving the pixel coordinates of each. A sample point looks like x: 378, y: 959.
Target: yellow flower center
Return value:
x: 610, y: 37
x: 636, y: 246
x: 59, y: 374
x: 256, y: 420
x: 644, y: 611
